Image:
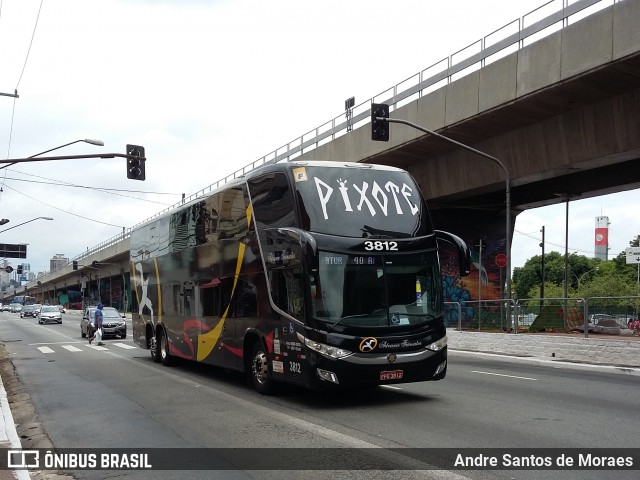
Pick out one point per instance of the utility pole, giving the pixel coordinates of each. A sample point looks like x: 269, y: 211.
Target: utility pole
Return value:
x: 542, y: 271
x: 479, y: 282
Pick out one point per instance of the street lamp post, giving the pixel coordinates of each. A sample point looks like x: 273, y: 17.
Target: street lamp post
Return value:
x: 579, y: 279
x: 33, y: 219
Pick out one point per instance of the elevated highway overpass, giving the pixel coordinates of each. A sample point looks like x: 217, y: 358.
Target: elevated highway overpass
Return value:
x: 554, y: 96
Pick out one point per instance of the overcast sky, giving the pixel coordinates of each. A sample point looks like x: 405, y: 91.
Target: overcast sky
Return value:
x: 209, y: 87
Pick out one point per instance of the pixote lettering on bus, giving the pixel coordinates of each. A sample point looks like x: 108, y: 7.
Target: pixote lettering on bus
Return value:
x: 378, y: 194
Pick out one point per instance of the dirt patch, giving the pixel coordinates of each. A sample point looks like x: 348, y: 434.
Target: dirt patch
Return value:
x: 29, y: 429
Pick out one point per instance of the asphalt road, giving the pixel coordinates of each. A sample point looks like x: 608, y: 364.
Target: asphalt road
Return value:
x: 116, y: 397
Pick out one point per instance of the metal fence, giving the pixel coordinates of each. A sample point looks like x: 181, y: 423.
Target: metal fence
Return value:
x: 586, y: 316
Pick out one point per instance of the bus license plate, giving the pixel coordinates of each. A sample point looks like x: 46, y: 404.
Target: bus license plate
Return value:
x: 391, y: 375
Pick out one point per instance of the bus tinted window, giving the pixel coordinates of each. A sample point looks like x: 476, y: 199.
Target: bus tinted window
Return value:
x: 272, y: 201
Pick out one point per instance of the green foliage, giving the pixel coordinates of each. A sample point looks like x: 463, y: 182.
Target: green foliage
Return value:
x: 588, y: 277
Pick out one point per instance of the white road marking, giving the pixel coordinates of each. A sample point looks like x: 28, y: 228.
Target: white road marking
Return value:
x: 392, y: 387
x: 502, y: 375
x: 71, y: 348
x: 45, y: 350
x: 98, y: 347
x: 124, y: 345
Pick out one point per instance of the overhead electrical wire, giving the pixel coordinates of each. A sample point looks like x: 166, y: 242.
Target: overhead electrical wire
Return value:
x: 62, y: 210
x: 110, y: 191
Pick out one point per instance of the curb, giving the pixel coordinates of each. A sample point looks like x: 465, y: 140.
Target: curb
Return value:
x: 617, y: 369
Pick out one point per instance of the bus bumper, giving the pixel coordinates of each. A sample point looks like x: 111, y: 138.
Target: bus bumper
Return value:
x: 368, y: 370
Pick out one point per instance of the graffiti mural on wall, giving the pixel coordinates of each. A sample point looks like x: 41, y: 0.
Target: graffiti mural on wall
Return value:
x: 486, y: 278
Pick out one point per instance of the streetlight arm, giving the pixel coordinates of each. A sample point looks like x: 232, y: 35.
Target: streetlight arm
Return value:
x: 100, y: 143
x: 86, y: 140
x: 33, y: 219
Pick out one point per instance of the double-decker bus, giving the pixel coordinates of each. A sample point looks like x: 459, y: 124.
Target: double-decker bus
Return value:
x: 318, y: 274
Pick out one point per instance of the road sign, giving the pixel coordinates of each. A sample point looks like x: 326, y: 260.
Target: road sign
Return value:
x: 501, y: 260
x: 8, y: 269
x: 633, y: 255
x: 13, y: 251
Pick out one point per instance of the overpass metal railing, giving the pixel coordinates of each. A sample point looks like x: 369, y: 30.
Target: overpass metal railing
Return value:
x: 540, y: 22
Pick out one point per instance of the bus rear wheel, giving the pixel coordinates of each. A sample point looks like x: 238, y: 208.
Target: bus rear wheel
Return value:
x: 260, y: 375
x: 154, y: 349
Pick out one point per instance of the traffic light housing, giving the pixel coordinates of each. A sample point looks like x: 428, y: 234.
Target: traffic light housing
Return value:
x: 379, y: 128
x: 75, y: 264
x: 19, y: 270
x: 135, y: 166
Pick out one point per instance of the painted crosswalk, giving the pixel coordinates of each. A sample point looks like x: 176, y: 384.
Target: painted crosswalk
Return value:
x: 53, y: 348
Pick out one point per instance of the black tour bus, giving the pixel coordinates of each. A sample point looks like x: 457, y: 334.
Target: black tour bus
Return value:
x: 318, y: 274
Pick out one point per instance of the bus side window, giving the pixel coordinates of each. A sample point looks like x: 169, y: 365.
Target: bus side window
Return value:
x: 246, y: 303
x: 272, y: 201
x: 287, y: 292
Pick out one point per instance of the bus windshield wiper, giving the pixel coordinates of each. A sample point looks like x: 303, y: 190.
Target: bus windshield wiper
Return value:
x: 359, y: 315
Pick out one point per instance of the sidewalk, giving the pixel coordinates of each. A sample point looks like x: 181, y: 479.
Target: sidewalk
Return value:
x: 9, y: 436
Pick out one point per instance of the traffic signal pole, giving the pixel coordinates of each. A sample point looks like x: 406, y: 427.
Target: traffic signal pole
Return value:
x: 376, y: 107
x: 135, y: 158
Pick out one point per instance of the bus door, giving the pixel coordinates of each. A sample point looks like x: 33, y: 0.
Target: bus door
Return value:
x: 283, y: 250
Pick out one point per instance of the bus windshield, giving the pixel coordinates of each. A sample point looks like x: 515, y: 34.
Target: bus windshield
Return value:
x: 376, y: 290
x: 360, y: 202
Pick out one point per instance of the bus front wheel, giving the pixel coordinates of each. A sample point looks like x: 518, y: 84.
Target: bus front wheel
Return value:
x: 165, y: 355
x: 260, y: 374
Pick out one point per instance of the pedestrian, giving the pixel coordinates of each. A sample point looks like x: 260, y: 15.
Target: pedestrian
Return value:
x: 96, y: 326
x: 91, y: 330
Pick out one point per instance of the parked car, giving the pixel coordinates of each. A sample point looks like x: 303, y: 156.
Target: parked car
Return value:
x: 113, y: 323
x: 610, y: 326
x: 50, y: 313
x: 29, y: 311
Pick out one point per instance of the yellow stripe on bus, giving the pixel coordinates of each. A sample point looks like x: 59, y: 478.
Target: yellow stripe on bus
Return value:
x: 207, y: 341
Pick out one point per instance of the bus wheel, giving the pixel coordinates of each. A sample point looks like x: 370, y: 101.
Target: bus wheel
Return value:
x: 260, y: 375
x: 154, y: 349
x: 167, y: 358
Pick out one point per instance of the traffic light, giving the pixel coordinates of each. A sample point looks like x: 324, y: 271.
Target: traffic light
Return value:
x: 135, y: 166
x: 19, y: 270
x: 75, y: 264
x: 379, y: 128
x: 95, y: 264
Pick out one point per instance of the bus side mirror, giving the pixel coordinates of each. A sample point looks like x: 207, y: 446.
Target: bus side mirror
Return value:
x: 464, y: 254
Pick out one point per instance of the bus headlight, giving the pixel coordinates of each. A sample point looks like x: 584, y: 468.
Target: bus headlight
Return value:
x: 326, y: 350
x: 438, y: 344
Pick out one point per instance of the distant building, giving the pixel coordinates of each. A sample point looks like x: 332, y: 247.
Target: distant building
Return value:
x: 601, y: 249
x: 58, y: 261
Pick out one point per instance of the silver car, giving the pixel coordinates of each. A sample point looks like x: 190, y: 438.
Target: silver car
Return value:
x: 113, y: 322
x: 50, y: 314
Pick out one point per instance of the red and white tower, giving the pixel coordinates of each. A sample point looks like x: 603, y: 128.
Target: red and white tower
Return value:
x: 601, y: 249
